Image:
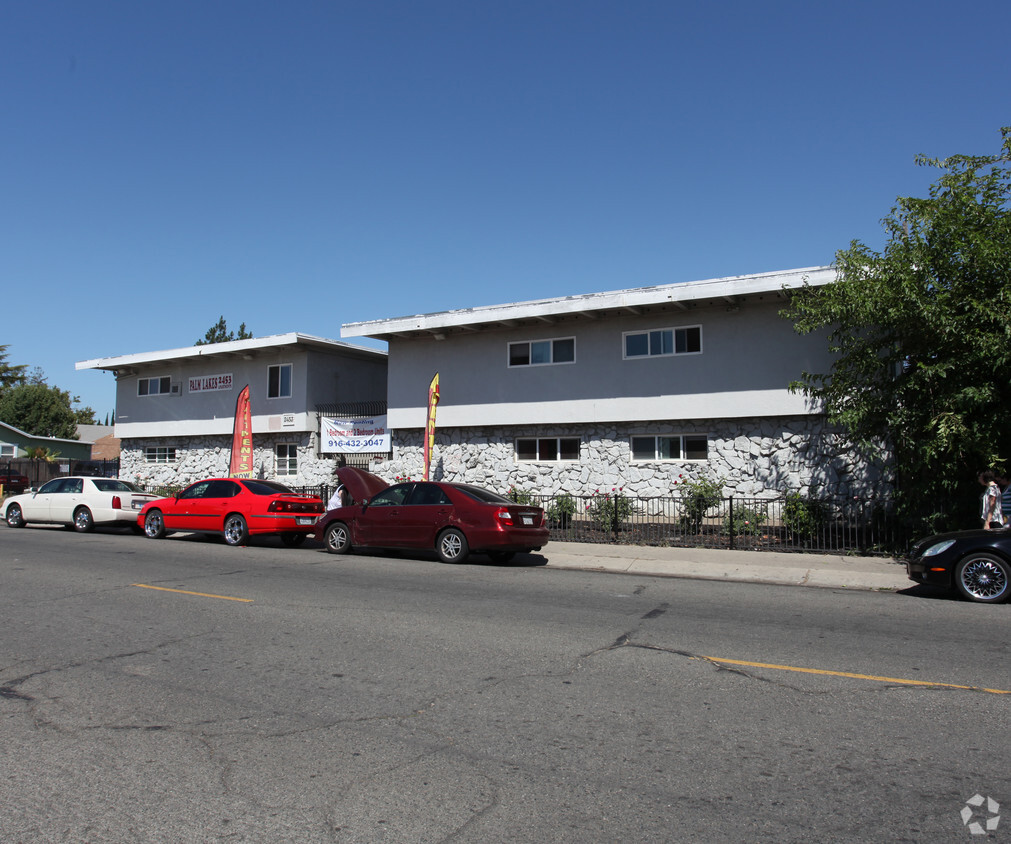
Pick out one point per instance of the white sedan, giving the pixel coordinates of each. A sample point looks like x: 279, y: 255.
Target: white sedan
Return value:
x: 80, y: 502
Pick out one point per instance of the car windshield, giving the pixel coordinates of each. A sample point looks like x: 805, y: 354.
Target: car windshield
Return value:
x: 266, y: 487
x: 110, y: 485
x: 485, y: 496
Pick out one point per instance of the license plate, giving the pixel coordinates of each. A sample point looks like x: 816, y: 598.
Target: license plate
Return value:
x: 304, y: 520
x: 528, y: 520
x: 138, y: 505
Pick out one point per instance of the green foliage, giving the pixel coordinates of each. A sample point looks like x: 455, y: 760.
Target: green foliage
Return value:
x: 610, y: 509
x: 803, y: 517
x: 921, y: 334
x: 561, y: 510
x: 219, y: 333
x: 697, y: 498
x: 43, y: 411
x: 10, y: 374
x: 746, y: 521
x: 521, y: 496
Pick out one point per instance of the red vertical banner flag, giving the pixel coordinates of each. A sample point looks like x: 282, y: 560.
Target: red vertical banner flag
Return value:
x: 433, y: 400
x: 241, y: 464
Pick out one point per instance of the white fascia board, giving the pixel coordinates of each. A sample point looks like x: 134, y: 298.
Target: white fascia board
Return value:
x: 232, y: 347
x: 726, y: 405
x: 262, y: 424
x: 730, y: 287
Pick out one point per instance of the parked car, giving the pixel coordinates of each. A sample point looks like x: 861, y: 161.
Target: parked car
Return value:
x: 78, y: 501
x: 12, y: 481
x: 976, y: 563
x: 450, y: 519
x: 237, y: 508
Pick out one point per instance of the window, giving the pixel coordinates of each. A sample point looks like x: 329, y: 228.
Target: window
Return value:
x: 6, y: 451
x: 279, y: 381
x: 673, y: 447
x: 159, y: 454
x: 541, y: 352
x: 154, y: 386
x: 287, y: 459
x: 664, y: 341
x: 547, y: 449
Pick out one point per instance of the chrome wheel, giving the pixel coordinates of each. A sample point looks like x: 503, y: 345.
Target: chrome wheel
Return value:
x: 154, y: 524
x: 83, y: 520
x: 236, y: 532
x: 984, y: 578
x: 452, y: 546
x: 15, y: 518
x: 337, y: 538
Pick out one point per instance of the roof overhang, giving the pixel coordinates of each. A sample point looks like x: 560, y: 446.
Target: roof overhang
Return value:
x: 241, y: 349
x: 731, y: 292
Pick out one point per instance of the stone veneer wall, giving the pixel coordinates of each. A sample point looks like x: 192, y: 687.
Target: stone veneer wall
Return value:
x: 208, y: 457
x: 752, y: 458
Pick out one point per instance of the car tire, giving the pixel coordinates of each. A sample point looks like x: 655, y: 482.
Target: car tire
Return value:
x: 154, y: 524
x: 84, y: 520
x: 337, y: 538
x: 451, y: 546
x: 292, y: 539
x: 501, y: 557
x: 983, y: 578
x: 236, y: 531
x: 15, y: 518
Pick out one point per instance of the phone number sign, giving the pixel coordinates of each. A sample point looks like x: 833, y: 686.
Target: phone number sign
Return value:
x: 348, y: 436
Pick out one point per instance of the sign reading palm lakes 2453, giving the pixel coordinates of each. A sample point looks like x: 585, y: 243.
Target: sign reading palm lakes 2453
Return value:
x: 346, y: 436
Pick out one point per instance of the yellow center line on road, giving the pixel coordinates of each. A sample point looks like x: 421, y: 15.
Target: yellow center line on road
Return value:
x: 199, y: 594
x: 852, y: 676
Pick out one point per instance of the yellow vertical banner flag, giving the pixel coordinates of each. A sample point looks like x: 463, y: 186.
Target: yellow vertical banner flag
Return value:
x: 433, y: 400
x: 241, y: 463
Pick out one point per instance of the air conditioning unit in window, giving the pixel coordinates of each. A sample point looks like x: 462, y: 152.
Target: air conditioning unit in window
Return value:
x: 175, y: 389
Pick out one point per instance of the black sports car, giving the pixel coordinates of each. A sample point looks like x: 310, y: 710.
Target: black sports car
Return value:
x: 975, y: 562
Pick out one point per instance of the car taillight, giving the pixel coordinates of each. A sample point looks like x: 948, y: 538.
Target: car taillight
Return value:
x: 116, y: 503
x: 504, y: 516
x: 279, y: 507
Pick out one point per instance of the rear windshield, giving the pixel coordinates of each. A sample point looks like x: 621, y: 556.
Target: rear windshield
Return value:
x: 110, y: 485
x: 266, y: 487
x: 481, y: 494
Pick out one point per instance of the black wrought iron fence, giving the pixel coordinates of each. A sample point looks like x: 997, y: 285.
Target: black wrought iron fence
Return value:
x: 858, y: 526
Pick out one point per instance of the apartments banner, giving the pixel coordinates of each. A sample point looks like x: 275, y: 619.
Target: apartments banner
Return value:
x: 347, y: 436
x: 433, y: 400
x: 241, y: 464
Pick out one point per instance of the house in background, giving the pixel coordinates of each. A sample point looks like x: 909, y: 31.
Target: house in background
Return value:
x: 17, y: 445
x: 175, y: 409
x: 641, y: 389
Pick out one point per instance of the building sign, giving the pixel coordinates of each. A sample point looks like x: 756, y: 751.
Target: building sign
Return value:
x: 346, y: 436
x: 209, y: 383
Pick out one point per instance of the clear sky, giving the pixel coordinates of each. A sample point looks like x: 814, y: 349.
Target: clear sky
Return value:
x: 303, y: 164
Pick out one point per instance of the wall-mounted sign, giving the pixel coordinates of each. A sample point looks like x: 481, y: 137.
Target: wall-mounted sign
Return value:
x: 288, y: 420
x: 210, y: 383
x: 346, y: 436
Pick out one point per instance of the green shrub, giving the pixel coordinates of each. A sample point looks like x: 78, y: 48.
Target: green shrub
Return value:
x: 802, y: 516
x: 746, y: 521
x: 697, y: 498
x: 561, y: 510
x: 521, y: 496
x: 610, y: 509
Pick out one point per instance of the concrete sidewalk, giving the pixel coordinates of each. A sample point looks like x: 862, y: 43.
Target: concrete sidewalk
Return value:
x: 824, y: 570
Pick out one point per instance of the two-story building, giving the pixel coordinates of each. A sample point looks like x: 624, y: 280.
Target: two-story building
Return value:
x: 175, y: 409
x: 639, y: 388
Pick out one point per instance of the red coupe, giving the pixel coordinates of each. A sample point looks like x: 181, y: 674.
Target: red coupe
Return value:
x: 237, y: 508
x: 450, y: 519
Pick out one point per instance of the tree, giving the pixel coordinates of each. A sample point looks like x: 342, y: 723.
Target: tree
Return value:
x: 922, y: 338
x: 43, y: 411
x: 10, y: 374
x: 219, y: 333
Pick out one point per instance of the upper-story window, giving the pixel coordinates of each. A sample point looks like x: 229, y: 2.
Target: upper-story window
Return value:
x: 154, y: 386
x: 664, y: 341
x: 279, y: 381
x: 542, y: 352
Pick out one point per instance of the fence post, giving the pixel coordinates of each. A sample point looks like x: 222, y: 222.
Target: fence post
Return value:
x: 730, y: 521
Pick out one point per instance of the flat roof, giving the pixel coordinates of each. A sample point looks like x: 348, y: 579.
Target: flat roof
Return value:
x: 733, y: 290
x: 233, y: 348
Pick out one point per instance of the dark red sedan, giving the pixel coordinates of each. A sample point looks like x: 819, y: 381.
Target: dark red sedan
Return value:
x: 450, y: 519
x: 237, y: 508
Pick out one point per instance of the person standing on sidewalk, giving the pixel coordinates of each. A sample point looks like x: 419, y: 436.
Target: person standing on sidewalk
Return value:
x: 992, y: 513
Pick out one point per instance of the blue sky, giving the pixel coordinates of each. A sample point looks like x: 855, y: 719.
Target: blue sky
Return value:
x: 300, y: 165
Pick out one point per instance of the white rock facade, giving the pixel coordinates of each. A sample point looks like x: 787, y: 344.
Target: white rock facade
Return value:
x: 763, y: 458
